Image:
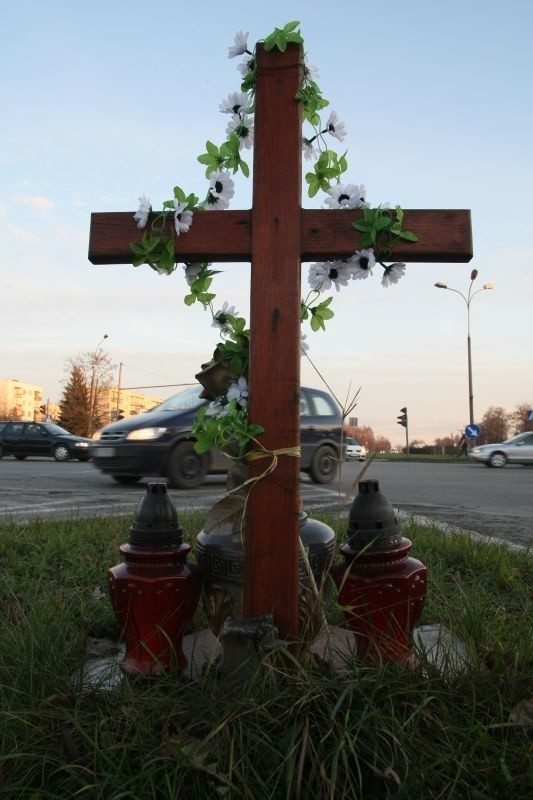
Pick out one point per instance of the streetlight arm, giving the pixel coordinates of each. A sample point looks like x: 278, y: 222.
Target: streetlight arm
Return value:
x: 459, y: 293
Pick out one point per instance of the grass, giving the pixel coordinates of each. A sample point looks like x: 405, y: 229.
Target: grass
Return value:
x: 292, y: 731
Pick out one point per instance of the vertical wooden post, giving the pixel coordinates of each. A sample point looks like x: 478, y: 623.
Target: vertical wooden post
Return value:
x: 271, y: 548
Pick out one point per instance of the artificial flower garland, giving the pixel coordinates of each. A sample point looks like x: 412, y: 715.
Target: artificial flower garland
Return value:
x: 381, y: 228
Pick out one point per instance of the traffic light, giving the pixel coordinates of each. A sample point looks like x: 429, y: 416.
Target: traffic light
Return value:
x: 402, y: 418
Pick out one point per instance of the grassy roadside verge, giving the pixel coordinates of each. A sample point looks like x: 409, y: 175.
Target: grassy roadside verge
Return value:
x: 376, y: 732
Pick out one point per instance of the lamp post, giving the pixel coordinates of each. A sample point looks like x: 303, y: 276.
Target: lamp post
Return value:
x: 119, y: 386
x: 92, y: 390
x: 468, y: 300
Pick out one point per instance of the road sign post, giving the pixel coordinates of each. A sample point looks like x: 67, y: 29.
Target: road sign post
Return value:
x: 472, y: 431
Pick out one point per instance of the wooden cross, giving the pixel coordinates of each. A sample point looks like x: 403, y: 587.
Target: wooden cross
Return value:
x: 276, y: 235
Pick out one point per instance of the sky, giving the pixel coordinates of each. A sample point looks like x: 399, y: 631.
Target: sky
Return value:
x: 105, y: 101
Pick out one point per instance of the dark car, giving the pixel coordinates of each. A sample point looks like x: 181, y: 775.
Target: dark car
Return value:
x: 22, y: 439
x: 159, y: 442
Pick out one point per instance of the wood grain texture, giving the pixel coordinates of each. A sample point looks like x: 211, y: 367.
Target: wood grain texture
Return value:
x: 444, y: 235
x: 271, y: 552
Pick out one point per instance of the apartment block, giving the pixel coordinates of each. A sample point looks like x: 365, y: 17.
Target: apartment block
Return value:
x: 119, y: 403
x: 19, y: 400
x: 24, y: 401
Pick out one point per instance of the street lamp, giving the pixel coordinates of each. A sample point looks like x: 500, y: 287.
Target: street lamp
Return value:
x: 468, y: 299
x: 92, y: 391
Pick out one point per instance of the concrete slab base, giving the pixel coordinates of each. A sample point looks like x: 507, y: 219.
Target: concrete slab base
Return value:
x: 433, y: 644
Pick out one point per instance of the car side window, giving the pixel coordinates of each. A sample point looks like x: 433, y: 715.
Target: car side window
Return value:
x: 305, y: 410
x: 16, y: 429
x: 35, y: 432
x: 323, y: 406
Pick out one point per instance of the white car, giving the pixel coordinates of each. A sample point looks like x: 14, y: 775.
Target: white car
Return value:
x: 516, y: 450
x: 354, y: 450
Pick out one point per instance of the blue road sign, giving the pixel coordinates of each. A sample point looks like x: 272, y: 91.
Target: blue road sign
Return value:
x: 530, y: 415
x: 472, y: 431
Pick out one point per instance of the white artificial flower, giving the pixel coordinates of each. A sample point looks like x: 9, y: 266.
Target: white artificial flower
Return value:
x: 220, y: 319
x: 244, y: 128
x: 239, y: 392
x: 393, y: 273
x: 304, y: 346
x: 221, y: 190
x: 336, y: 127
x: 236, y: 103
x: 163, y: 270
x: 182, y: 217
x: 310, y: 153
x: 346, y: 196
x: 192, y: 271
x: 362, y: 263
x: 240, y: 45
x: 219, y: 407
x: 310, y: 72
x: 141, y: 215
x: 325, y: 274
x: 246, y: 67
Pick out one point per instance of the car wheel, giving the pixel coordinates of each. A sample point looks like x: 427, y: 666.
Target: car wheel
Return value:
x: 126, y: 480
x: 61, y: 452
x: 20, y: 458
x: 186, y: 468
x: 497, y: 460
x: 324, y: 465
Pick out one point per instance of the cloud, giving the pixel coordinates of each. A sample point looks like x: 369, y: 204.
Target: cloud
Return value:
x: 20, y: 233
x: 38, y: 202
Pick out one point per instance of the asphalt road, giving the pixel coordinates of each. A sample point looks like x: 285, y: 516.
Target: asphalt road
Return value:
x: 492, y: 502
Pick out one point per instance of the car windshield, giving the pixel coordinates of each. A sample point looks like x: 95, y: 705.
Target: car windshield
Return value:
x: 183, y: 401
x: 514, y: 439
x: 55, y: 430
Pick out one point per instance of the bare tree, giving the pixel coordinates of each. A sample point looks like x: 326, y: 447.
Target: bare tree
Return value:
x: 363, y: 434
x: 494, y: 425
x: 519, y: 418
x: 82, y: 408
x: 382, y: 444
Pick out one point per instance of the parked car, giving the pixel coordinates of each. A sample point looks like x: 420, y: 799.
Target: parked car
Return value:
x: 354, y: 450
x: 160, y: 442
x: 22, y: 439
x: 516, y: 450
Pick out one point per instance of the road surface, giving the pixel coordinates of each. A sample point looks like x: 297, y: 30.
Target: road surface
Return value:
x: 493, y: 502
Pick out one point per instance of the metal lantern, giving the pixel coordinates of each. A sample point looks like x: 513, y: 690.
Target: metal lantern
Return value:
x: 154, y: 592
x: 381, y: 588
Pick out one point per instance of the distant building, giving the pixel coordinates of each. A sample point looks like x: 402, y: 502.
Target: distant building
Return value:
x: 117, y: 405
x: 20, y: 400
x: 24, y: 401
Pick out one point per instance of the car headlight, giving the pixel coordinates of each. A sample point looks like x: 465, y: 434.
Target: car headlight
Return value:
x: 82, y: 444
x: 476, y: 450
x: 146, y: 434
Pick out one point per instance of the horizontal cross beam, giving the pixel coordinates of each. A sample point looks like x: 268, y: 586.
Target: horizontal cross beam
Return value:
x: 443, y: 236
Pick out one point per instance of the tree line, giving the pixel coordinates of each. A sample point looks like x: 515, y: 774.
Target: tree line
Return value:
x: 496, y: 425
